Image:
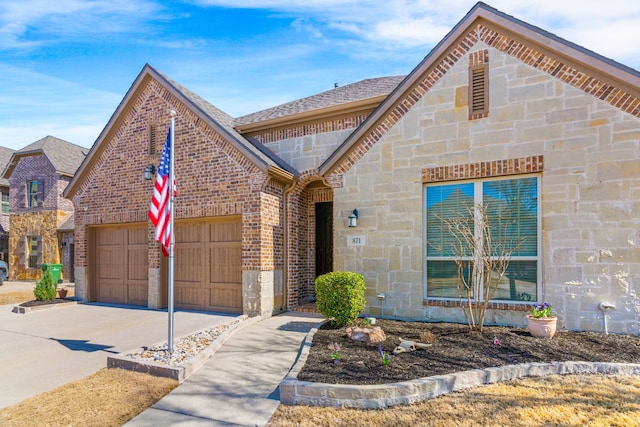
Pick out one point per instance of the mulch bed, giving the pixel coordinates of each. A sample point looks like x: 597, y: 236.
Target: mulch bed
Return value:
x: 35, y: 303
x: 455, y: 349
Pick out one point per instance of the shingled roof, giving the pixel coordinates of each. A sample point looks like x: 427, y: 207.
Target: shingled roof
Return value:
x: 5, y: 158
x: 364, y: 89
x: 226, y: 124
x: 64, y: 156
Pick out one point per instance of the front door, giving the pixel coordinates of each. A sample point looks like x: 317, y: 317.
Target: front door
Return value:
x: 324, y: 238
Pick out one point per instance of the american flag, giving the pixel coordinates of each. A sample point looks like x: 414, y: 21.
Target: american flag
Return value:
x: 160, y: 207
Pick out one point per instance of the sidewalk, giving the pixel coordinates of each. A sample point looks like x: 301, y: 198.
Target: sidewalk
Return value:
x: 238, y: 386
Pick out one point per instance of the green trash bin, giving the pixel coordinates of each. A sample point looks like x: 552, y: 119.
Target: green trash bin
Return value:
x: 55, y: 270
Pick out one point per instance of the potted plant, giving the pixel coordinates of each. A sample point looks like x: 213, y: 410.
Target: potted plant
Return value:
x: 540, y: 322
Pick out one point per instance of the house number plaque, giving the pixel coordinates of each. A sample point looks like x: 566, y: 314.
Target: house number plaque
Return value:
x: 360, y: 240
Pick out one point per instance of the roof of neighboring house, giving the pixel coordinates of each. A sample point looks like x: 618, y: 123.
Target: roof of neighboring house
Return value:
x: 5, y: 157
x: 364, y: 89
x: 65, y: 157
x: 68, y: 224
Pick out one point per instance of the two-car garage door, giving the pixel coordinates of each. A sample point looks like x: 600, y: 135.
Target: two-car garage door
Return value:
x: 207, y: 265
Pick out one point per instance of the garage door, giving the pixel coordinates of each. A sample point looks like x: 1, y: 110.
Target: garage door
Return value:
x: 208, y: 265
x: 121, y: 265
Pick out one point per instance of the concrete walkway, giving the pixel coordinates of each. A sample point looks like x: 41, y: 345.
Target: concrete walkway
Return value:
x: 238, y: 386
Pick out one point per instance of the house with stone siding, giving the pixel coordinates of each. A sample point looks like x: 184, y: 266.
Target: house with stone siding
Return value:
x: 500, y: 113
x: 37, y: 175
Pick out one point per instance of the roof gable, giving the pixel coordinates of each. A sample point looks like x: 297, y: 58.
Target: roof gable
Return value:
x: 216, y: 119
x: 64, y: 156
x: 601, y: 77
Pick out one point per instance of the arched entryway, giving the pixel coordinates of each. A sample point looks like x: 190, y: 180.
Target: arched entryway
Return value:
x: 310, y: 239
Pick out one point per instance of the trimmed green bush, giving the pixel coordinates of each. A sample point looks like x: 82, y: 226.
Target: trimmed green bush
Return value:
x: 45, y: 288
x: 340, y: 296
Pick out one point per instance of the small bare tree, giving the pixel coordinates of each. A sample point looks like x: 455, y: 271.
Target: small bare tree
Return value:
x: 482, y: 252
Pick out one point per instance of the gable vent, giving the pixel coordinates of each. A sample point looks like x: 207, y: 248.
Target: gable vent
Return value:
x: 478, y: 92
x: 478, y: 84
x: 152, y: 139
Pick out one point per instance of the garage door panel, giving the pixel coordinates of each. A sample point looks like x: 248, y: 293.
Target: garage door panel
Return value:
x: 208, y: 265
x: 225, y: 297
x: 137, y: 293
x: 188, y: 263
x: 137, y: 264
x: 112, y: 292
x: 121, y: 264
x: 188, y: 296
x: 110, y: 266
x: 220, y: 231
x: 225, y: 263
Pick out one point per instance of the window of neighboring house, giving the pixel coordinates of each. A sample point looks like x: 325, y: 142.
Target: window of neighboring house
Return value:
x: 5, y: 202
x: 33, y: 251
x: 512, y: 208
x: 35, y: 192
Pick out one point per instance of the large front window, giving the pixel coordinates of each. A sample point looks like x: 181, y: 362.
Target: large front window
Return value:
x: 513, y: 220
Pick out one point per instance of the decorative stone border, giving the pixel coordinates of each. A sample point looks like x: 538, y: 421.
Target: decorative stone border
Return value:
x: 294, y: 392
x: 177, y: 372
x: 18, y: 309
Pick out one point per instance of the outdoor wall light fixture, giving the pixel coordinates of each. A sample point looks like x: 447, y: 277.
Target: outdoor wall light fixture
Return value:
x: 149, y: 171
x: 353, y: 218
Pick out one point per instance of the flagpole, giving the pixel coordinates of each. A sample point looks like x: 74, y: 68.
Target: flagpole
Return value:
x: 171, y: 238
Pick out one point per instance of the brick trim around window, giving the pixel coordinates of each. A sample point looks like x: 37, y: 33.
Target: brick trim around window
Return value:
x: 492, y: 305
x: 493, y: 168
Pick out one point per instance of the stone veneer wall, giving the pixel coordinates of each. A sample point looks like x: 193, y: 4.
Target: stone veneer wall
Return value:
x: 308, y: 152
x: 213, y: 179
x: 43, y: 224
x: 588, y: 134
x: 40, y: 220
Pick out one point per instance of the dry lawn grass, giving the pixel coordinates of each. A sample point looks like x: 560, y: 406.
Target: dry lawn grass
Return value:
x: 22, y: 296
x: 110, y: 397
x: 15, y: 297
x: 574, y: 400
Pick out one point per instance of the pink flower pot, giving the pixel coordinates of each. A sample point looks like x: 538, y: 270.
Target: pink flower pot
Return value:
x: 544, y: 327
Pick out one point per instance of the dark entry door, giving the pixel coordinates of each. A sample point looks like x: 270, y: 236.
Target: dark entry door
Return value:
x: 324, y: 238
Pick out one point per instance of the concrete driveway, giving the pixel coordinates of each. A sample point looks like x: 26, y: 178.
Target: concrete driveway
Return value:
x: 42, y: 350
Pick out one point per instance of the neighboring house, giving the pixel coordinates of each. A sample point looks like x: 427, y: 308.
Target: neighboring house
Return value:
x: 37, y: 175
x: 499, y: 112
x: 5, y: 157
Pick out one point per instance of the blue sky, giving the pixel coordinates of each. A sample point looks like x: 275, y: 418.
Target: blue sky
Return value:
x: 66, y: 64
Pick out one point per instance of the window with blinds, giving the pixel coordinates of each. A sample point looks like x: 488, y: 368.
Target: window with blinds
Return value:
x: 478, y: 91
x: 512, y: 207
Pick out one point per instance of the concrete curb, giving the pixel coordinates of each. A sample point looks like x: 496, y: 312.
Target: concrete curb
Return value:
x: 294, y: 392
x: 24, y: 310
x: 182, y: 372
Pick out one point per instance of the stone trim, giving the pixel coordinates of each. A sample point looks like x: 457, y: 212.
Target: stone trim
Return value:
x: 493, y: 168
x: 294, y: 392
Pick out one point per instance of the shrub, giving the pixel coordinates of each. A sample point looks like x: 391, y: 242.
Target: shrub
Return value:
x: 45, y: 288
x: 340, y: 296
